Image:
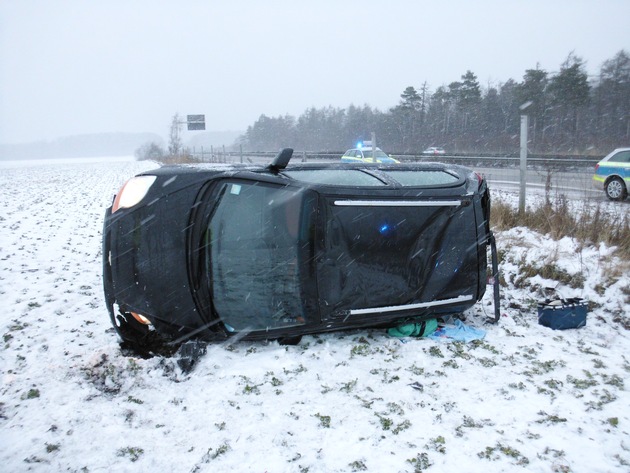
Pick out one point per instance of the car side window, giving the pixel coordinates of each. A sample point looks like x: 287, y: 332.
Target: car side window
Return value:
x: 621, y: 157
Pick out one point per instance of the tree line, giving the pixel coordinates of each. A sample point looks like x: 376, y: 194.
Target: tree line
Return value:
x: 569, y: 113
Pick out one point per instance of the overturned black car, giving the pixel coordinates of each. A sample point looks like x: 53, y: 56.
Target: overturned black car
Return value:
x: 279, y: 251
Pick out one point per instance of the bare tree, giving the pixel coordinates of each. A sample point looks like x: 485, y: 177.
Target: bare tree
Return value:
x: 175, y: 146
x: 150, y: 151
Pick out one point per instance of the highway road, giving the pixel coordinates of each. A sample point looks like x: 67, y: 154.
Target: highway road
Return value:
x: 572, y: 184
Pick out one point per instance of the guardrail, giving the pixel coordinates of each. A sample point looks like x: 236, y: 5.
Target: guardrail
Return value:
x: 556, y: 162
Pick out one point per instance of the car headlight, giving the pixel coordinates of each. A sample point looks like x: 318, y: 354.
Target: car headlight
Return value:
x: 133, y: 192
x: 141, y: 318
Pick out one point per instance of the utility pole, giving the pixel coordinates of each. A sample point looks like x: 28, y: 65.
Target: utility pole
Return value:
x: 373, y: 147
x: 523, y: 169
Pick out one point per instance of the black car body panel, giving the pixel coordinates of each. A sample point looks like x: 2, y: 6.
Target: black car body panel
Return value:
x: 268, y: 252
x: 145, y: 252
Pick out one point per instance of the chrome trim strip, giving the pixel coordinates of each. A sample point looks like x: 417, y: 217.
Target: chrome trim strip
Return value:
x: 420, y: 305
x: 398, y: 203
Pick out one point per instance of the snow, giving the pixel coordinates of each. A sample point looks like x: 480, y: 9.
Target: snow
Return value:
x: 526, y: 397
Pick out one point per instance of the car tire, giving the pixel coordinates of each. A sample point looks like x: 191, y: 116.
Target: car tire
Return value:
x: 616, y: 189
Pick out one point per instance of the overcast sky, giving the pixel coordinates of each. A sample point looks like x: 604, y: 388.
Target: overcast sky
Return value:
x: 70, y: 67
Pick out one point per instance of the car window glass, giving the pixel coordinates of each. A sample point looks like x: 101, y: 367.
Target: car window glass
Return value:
x: 621, y: 157
x: 255, y: 236
x: 366, y: 266
x: 423, y: 178
x: 335, y: 177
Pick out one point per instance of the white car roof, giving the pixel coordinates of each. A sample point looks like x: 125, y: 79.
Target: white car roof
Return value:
x: 615, y: 151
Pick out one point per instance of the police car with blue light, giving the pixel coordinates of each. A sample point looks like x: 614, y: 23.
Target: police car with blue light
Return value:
x: 364, y: 153
x: 612, y: 174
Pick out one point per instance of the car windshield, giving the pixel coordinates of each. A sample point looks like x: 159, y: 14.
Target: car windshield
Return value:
x: 258, y: 235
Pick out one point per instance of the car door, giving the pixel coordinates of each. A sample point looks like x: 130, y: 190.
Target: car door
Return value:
x: 396, y: 256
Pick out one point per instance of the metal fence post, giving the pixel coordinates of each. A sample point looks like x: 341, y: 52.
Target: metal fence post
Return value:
x: 523, y: 173
x: 373, y: 147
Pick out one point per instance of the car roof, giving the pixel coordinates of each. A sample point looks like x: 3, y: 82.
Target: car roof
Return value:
x: 613, y: 152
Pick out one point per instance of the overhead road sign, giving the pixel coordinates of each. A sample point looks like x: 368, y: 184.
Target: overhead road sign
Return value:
x: 196, y: 122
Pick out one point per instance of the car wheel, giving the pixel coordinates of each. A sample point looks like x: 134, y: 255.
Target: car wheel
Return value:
x: 616, y: 189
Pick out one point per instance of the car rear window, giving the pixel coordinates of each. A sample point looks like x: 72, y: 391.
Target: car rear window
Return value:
x: 335, y: 177
x: 423, y: 178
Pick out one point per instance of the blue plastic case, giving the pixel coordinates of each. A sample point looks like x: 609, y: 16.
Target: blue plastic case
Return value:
x: 561, y: 314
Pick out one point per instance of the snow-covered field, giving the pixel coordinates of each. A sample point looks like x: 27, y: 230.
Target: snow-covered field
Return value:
x: 526, y: 398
